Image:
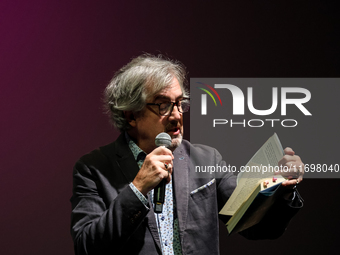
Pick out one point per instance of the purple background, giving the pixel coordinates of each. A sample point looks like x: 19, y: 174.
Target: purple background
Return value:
x: 57, y: 57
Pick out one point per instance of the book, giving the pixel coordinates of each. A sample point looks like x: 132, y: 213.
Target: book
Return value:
x: 258, y: 186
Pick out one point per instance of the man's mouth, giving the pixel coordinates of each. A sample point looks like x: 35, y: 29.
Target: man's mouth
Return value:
x: 174, y: 131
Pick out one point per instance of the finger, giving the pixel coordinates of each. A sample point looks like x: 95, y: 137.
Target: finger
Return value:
x: 299, y: 179
x: 291, y: 164
x: 289, y: 151
x: 283, y: 161
x: 293, y: 182
x: 162, y: 158
x: 169, y: 168
x: 164, y: 166
x: 292, y: 169
x: 290, y: 183
x: 162, y: 150
x: 288, y: 159
x: 161, y: 172
x: 168, y: 177
x: 165, y: 172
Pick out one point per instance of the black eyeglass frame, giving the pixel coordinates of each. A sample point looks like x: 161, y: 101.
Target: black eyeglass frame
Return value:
x: 172, y: 107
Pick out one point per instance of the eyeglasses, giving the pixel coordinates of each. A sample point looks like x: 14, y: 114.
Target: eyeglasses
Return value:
x: 165, y: 109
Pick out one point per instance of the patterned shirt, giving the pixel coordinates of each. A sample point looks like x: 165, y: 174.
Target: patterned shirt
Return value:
x: 167, y: 221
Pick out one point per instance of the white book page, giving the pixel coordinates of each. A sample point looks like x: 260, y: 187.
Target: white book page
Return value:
x: 268, y: 155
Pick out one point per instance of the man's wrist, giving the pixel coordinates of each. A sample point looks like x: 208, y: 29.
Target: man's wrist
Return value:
x: 140, y: 189
x: 139, y: 194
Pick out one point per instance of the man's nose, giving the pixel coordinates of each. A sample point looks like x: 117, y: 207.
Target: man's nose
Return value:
x: 175, y: 114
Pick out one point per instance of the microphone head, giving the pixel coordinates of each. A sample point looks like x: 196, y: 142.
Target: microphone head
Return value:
x: 163, y: 139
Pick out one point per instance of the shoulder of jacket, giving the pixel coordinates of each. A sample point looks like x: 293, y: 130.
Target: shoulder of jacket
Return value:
x: 197, y: 148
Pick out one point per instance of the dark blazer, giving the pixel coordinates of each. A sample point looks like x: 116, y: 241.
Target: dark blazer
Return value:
x: 108, y: 218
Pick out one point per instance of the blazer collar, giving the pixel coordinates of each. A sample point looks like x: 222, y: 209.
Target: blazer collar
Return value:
x: 120, y: 153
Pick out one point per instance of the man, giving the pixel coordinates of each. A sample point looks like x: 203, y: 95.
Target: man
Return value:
x: 112, y: 202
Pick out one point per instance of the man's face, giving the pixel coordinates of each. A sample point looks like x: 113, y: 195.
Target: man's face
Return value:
x: 150, y: 123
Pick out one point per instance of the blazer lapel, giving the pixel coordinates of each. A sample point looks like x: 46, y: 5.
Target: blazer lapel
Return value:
x: 181, y: 186
x: 121, y: 154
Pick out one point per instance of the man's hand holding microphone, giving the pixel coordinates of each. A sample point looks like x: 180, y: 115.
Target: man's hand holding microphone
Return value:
x: 156, y: 171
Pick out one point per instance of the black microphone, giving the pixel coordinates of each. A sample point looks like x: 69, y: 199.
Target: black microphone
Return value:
x: 162, y: 139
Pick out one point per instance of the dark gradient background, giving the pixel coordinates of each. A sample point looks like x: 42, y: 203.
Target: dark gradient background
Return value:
x: 56, y: 58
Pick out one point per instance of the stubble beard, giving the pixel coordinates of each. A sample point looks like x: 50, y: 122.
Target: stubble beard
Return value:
x: 176, y: 141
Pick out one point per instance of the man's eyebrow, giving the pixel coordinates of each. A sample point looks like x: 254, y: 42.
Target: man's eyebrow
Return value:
x: 166, y: 97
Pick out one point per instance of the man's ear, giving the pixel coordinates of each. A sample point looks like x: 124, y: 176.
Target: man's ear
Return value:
x: 129, y: 116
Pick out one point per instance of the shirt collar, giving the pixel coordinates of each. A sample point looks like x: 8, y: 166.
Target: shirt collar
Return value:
x: 137, y: 152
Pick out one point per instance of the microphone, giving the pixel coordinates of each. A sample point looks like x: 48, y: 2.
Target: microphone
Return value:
x: 162, y: 139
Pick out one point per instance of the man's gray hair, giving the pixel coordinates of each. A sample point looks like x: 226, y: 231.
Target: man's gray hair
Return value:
x: 141, y: 79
